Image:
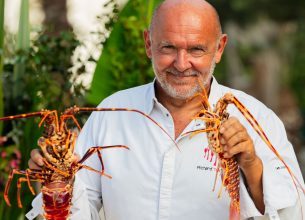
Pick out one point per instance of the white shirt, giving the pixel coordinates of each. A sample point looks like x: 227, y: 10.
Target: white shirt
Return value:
x: 156, y: 180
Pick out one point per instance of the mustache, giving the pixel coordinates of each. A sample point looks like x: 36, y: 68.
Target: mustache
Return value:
x: 184, y: 73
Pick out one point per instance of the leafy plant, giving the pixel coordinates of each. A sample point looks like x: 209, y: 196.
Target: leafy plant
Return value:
x: 1, y: 57
x: 123, y: 62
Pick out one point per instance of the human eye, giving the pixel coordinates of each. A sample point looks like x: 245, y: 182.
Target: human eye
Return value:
x: 197, y: 51
x: 167, y: 49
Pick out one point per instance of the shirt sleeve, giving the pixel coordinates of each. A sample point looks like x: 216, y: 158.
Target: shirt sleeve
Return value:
x: 280, y: 192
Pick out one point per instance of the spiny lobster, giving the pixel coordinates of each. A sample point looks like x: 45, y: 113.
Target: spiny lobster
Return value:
x: 213, y: 119
x: 57, y: 146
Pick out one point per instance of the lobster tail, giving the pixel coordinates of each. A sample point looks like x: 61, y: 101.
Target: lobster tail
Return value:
x: 234, y: 211
x: 57, y: 200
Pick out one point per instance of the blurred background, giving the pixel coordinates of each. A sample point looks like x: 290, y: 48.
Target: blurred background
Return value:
x: 55, y: 54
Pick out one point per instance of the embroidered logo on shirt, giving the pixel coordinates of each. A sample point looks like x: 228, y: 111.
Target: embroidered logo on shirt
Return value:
x: 210, y: 156
x: 280, y: 167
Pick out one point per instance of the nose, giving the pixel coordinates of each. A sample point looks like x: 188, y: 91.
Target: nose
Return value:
x: 182, y: 61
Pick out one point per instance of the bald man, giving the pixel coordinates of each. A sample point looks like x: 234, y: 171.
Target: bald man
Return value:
x: 155, y: 180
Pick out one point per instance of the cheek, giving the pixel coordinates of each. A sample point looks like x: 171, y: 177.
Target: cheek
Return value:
x: 202, y: 66
x: 162, y: 61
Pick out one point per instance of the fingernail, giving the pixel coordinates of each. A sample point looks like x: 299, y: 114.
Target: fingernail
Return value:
x: 222, y: 141
x: 221, y: 130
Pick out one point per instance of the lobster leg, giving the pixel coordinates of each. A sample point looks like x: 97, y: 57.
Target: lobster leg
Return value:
x: 64, y: 117
x: 93, y: 150
x: 20, y: 180
x: 102, y: 173
x: 46, y: 163
x: 45, y: 114
x: 29, y: 177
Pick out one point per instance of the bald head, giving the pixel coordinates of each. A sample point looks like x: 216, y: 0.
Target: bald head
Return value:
x: 176, y: 8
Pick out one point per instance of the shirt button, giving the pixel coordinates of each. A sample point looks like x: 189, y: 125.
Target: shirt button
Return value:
x: 167, y: 115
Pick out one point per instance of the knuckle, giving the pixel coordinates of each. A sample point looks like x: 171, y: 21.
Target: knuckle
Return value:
x: 226, y: 136
x: 240, y: 136
x: 232, y: 142
x: 233, y: 119
x: 34, y: 152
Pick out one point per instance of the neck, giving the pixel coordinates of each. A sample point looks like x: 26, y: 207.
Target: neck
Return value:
x: 182, y: 110
x: 175, y: 104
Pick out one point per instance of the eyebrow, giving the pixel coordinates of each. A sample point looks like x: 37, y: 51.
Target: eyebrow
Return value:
x: 162, y: 43
x: 201, y: 46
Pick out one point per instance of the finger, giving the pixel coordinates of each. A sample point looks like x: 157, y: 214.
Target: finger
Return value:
x: 36, y: 157
x: 239, y: 148
x: 243, y: 150
x: 230, y: 128
x: 229, y: 122
x: 33, y: 165
x: 237, y: 138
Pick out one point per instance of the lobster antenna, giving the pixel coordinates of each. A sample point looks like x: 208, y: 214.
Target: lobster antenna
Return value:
x: 76, y: 109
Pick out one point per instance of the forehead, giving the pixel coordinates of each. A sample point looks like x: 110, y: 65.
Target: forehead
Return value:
x: 184, y: 22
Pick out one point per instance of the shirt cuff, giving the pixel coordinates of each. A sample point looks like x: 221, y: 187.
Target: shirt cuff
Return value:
x: 279, y: 192
x: 247, y: 206
x: 278, y: 186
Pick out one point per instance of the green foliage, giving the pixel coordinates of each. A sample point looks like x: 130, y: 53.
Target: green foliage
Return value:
x: 47, y: 81
x: 23, y: 44
x: 123, y: 63
x: 10, y: 158
x: 1, y: 57
x: 245, y: 12
x: 297, y: 75
x: 298, y: 66
x: 248, y: 12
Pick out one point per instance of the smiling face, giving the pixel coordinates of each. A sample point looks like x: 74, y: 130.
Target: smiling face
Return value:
x: 184, y: 44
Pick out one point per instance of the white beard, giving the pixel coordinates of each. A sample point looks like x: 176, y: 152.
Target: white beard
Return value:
x: 184, y: 95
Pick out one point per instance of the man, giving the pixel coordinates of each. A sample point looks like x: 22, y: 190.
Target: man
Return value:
x: 155, y: 180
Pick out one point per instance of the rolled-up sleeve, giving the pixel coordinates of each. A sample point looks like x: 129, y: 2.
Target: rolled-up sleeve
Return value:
x: 279, y: 189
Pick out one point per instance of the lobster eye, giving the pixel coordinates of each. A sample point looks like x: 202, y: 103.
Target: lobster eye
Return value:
x: 41, y: 141
x: 201, y: 114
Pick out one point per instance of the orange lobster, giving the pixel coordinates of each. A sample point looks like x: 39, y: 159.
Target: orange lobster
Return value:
x: 213, y: 119
x: 57, y: 146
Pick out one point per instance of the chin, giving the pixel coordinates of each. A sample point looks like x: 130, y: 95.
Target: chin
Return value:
x: 181, y: 92
x: 179, y: 89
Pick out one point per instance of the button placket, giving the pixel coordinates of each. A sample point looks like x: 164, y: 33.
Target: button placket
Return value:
x: 168, y: 170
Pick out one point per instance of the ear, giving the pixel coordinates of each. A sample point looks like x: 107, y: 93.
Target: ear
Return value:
x: 147, y: 43
x: 221, y: 46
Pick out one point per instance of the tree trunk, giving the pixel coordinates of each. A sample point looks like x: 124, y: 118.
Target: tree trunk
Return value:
x: 55, y: 16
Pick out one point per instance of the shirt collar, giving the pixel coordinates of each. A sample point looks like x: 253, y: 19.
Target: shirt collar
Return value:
x: 151, y: 100
x: 215, y: 92
x: 150, y: 97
